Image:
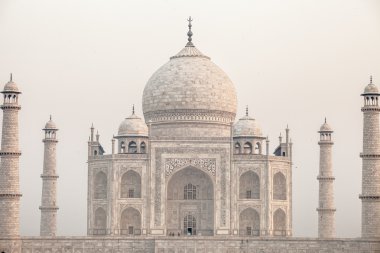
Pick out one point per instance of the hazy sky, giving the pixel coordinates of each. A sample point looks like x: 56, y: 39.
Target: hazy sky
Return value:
x: 292, y: 61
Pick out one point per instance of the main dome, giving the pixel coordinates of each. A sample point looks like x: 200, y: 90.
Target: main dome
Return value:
x: 189, y: 84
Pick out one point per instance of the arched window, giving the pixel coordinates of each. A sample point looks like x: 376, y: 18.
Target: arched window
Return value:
x: 247, y: 148
x: 190, y: 192
x: 95, y: 152
x: 142, y: 148
x: 100, y: 186
x: 132, y: 147
x: 100, y: 222
x: 279, y: 222
x: 249, y: 222
x: 130, y: 222
x: 257, y: 148
x: 130, y: 185
x: 122, y: 147
x: 279, y: 186
x: 249, y: 186
x: 190, y: 225
x: 237, y: 148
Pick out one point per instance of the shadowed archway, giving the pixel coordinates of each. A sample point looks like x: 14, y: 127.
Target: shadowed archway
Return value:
x: 190, y: 203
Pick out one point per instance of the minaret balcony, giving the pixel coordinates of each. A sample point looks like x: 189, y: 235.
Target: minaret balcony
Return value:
x: 369, y: 155
x: 11, y: 106
x: 10, y: 153
x: 369, y: 197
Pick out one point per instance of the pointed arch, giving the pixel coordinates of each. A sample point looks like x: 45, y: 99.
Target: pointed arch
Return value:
x: 258, y: 150
x: 279, y: 222
x: 249, y: 222
x: 249, y: 185
x: 130, y: 185
x: 100, y: 221
x: 143, y: 148
x: 100, y: 185
x: 247, y: 148
x: 130, y: 222
x: 132, y: 147
x: 237, y: 149
x: 279, y: 186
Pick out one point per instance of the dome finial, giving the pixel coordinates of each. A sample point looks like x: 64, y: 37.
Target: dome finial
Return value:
x: 246, y: 111
x: 189, y: 33
x: 50, y: 116
x: 325, y: 120
x: 370, y: 79
x: 11, y: 78
x: 133, y: 109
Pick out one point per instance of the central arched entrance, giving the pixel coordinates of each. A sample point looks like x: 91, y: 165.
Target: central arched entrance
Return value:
x: 190, y: 203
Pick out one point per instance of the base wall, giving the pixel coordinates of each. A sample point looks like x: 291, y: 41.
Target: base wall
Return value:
x: 186, y: 245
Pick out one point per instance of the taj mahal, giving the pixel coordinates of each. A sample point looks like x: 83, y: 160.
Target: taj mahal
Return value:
x: 189, y: 175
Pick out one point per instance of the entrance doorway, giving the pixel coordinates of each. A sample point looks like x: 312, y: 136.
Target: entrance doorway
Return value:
x: 190, y: 225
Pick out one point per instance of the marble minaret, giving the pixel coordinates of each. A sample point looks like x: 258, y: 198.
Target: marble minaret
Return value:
x: 9, y: 168
x: 371, y: 163
x: 49, y: 177
x: 326, y: 209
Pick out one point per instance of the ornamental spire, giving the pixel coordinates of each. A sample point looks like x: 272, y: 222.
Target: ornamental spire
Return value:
x: 133, y: 109
x: 370, y: 79
x: 11, y: 78
x: 189, y: 34
x: 246, y: 111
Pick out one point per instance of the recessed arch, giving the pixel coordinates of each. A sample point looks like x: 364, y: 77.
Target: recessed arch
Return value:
x: 247, y: 148
x: 143, y: 148
x: 100, y: 221
x: 249, y: 185
x: 130, y: 222
x: 279, y: 186
x: 130, y: 185
x: 279, y: 222
x: 100, y: 185
x: 249, y: 222
x: 132, y: 147
x: 237, y: 149
x: 257, y: 149
x: 201, y: 207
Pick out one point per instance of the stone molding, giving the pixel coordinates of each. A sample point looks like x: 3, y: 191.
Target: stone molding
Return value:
x: 190, y: 115
x: 369, y: 155
x: 206, y: 164
x: 326, y: 178
x: 10, y: 195
x: 369, y: 197
x: 10, y: 153
x: 370, y: 109
x: 10, y: 106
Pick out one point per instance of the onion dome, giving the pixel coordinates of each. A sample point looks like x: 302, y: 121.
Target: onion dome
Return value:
x: 247, y: 126
x: 371, y: 89
x: 50, y: 125
x: 133, y: 126
x: 11, y: 87
x: 326, y: 127
x: 189, y: 86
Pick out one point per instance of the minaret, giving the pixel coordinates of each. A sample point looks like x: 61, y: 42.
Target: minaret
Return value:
x: 326, y: 209
x: 49, y: 177
x: 9, y: 168
x: 371, y: 163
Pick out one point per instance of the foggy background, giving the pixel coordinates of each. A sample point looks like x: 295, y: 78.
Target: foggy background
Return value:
x: 293, y: 62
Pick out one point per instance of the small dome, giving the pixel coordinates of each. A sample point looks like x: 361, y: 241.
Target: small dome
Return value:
x: 50, y: 125
x: 11, y: 87
x: 325, y: 128
x: 247, y: 126
x: 133, y: 126
x: 371, y: 88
